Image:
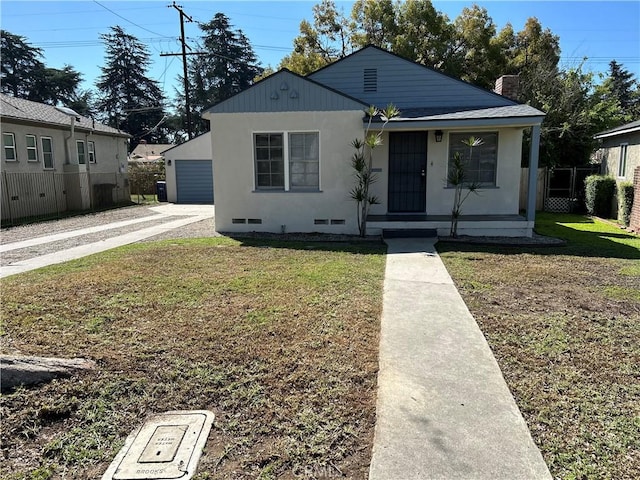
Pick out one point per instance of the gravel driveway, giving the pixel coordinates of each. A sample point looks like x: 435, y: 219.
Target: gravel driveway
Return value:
x: 204, y: 228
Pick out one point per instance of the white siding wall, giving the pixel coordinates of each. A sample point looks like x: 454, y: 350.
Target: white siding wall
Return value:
x: 233, y: 173
x: 501, y: 200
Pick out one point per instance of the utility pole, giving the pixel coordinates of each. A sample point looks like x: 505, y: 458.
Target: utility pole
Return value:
x: 184, y: 64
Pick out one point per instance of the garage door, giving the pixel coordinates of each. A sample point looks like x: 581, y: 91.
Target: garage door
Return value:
x: 194, y: 181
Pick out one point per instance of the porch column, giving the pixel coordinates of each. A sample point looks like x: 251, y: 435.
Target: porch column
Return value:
x: 533, y: 172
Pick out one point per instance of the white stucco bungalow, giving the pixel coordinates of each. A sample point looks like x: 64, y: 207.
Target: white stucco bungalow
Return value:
x: 282, y: 151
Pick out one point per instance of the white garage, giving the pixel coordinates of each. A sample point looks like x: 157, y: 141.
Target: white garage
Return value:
x: 189, y: 171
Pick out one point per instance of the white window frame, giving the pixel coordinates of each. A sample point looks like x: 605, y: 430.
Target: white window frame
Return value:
x: 44, y: 153
x: 91, y: 151
x: 622, y: 160
x: 286, y: 134
x: 84, y: 152
x: 476, y: 134
x: 33, y: 149
x: 11, y: 147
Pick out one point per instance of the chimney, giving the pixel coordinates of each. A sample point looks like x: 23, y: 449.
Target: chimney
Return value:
x: 507, y: 86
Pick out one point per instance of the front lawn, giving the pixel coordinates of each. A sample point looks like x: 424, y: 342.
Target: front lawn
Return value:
x: 564, y: 325
x: 280, y: 341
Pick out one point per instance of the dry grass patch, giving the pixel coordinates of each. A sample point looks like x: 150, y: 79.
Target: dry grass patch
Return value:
x: 280, y: 341
x: 564, y: 326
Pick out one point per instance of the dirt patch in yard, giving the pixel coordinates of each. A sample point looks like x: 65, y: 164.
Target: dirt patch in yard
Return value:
x: 279, y: 341
x: 564, y: 329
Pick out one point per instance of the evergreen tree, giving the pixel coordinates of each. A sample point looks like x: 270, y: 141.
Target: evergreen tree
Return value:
x: 128, y: 98
x: 228, y: 66
x: 24, y: 75
x: 20, y: 65
x: 621, y: 87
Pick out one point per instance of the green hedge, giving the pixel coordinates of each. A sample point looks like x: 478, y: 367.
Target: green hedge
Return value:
x: 625, y: 201
x: 599, y: 191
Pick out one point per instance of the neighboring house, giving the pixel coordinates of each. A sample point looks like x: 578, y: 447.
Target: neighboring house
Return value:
x: 189, y: 170
x: 283, y: 147
x: 55, y: 160
x: 146, y: 153
x: 619, y: 151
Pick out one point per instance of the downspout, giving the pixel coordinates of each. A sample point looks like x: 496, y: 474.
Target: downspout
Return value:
x: 68, y: 149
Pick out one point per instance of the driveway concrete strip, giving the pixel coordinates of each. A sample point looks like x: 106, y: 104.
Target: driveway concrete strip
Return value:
x: 444, y: 410
x: 96, y: 247
x: 74, y: 233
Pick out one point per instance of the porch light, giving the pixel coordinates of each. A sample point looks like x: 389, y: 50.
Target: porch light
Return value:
x: 439, y: 134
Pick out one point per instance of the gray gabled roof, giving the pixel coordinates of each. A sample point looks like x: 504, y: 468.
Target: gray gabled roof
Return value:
x: 285, y: 91
x: 48, y: 115
x: 621, y: 130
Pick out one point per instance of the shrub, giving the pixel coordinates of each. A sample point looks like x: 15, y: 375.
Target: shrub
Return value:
x: 599, y: 191
x: 625, y: 201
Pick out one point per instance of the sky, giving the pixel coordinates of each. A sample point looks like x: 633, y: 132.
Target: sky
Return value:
x: 69, y: 31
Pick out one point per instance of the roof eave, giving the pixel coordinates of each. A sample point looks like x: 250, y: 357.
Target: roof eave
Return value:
x: 616, y: 133
x: 516, y: 122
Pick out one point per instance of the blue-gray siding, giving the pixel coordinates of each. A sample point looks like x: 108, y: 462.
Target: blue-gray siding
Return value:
x: 286, y: 92
x: 403, y: 83
x: 194, y: 181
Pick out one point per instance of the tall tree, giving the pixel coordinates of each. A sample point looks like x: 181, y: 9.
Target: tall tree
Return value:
x: 227, y: 67
x: 621, y: 86
x: 20, y: 65
x: 128, y: 98
x: 375, y: 23
x: 320, y: 43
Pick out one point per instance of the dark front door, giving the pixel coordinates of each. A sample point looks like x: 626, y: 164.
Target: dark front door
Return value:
x: 407, y: 171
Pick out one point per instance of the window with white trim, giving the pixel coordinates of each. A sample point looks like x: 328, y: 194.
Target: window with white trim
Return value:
x: 304, y: 160
x: 9, y: 144
x: 269, y: 148
x: 91, y: 147
x: 32, y: 148
x: 622, y: 164
x: 480, y: 162
x: 301, y: 169
x: 81, y: 152
x: 47, y: 152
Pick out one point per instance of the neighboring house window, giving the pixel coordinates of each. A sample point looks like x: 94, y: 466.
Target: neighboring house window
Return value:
x: 9, y: 143
x: 32, y: 148
x: 304, y: 160
x: 47, y: 152
x: 81, y: 153
x: 622, y: 165
x: 92, y: 152
x: 269, y: 149
x: 480, y: 162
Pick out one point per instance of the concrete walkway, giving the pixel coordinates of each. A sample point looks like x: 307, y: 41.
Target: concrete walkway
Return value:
x: 444, y: 410
x: 194, y: 213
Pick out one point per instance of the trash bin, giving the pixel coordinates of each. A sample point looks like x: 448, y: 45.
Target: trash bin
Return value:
x: 161, y: 191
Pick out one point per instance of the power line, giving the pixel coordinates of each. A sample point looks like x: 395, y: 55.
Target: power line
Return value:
x: 127, y: 20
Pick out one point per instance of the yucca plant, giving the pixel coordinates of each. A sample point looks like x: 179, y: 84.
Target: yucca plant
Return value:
x: 457, y: 178
x: 362, y: 164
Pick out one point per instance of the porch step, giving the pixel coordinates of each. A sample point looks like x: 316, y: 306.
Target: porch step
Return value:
x: 409, y: 233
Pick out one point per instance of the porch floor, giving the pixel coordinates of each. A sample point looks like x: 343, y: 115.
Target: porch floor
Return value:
x: 423, y: 217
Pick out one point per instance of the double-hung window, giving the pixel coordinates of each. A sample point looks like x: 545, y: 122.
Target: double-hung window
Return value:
x: 47, y: 152
x: 269, y: 160
x: 287, y: 161
x: 304, y: 160
x: 32, y: 148
x: 479, y: 158
x: 81, y: 152
x: 622, y: 164
x: 9, y: 144
x: 91, y: 150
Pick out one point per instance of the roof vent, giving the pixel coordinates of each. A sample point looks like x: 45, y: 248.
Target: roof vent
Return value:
x: 68, y: 111
x: 370, y: 79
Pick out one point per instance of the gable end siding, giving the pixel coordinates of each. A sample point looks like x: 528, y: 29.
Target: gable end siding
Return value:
x: 402, y: 82
x: 286, y: 92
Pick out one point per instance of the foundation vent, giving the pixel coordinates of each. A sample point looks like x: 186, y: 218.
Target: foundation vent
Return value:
x: 238, y: 220
x: 254, y: 221
x: 337, y: 221
x: 321, y: 221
